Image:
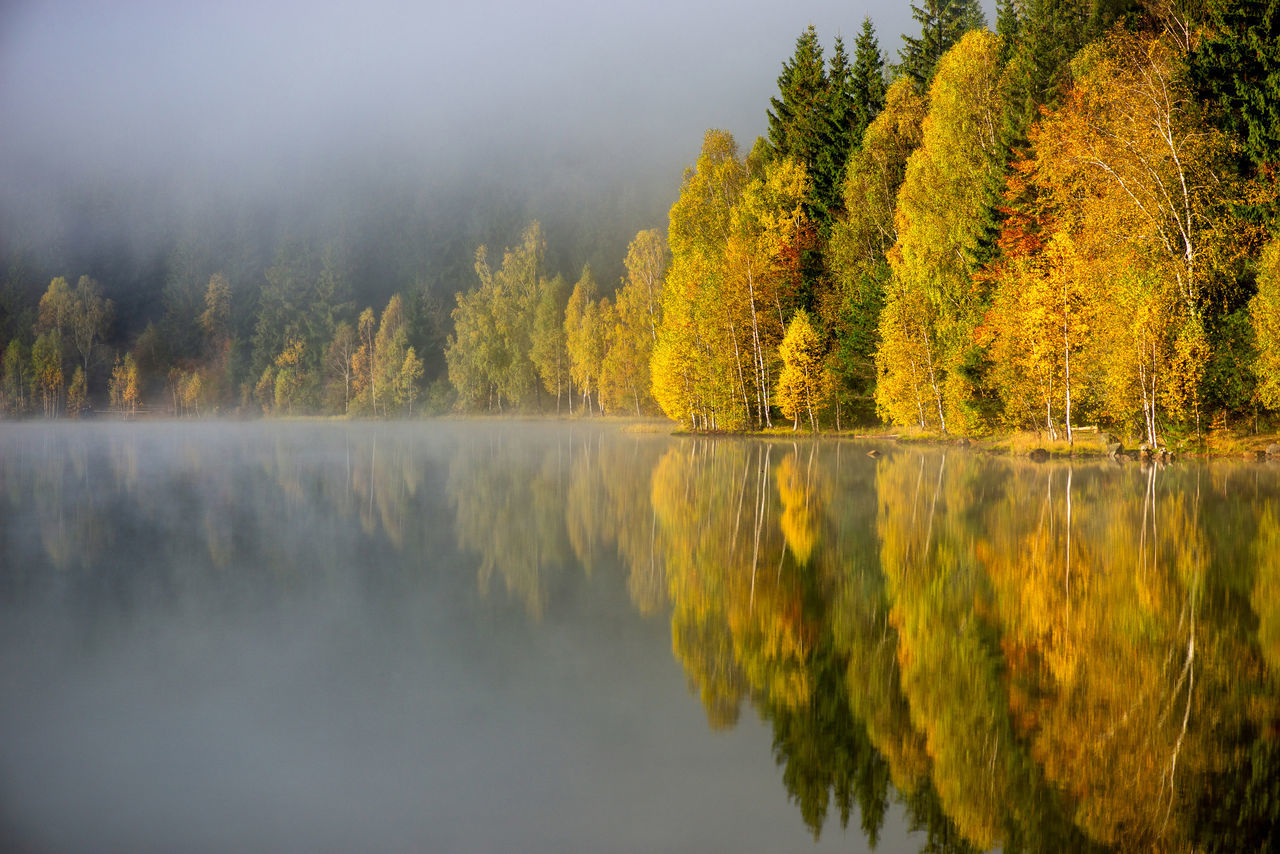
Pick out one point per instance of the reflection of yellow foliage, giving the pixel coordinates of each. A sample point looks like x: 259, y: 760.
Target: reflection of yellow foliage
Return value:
x: 727, y: 565
x: 1266, y: 588
x: 703, y: 647
x: 860, y: 626
x: 510, y: 512
x: 799, y: 517
x: 949, y: 673
x: 691, y: 543
x: 527, y: 511
x: 218, y: 536
x: 585, y: 505
x: 1098, y: 590
x: 1020, y: 640
x: 875, y: 696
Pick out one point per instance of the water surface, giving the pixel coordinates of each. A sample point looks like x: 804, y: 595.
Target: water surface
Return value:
x: 541, y: 637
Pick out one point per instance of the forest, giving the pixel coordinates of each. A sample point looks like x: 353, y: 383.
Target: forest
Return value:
x: 1067, y: 218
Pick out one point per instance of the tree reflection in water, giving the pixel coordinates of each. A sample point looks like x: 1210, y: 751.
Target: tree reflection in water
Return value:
x: 1027, y: 656
x: 1037, y: 657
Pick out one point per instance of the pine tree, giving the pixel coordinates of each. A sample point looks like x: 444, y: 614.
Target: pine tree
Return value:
x: 1007, y: 25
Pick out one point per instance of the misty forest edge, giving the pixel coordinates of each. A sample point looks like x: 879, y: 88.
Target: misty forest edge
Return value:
x: 1070, y: 220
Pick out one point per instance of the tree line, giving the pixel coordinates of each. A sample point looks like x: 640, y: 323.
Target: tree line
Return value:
x: 296, y: 346
x: 1069, y: 220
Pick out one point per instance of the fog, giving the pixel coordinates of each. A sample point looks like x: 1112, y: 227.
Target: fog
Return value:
x: 265, y: 637
x: 133, y: 124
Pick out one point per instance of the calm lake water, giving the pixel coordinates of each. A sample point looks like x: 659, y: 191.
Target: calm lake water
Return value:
x: 544, y: 637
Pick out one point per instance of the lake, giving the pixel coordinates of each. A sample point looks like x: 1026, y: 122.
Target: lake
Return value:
x: 539, y: 636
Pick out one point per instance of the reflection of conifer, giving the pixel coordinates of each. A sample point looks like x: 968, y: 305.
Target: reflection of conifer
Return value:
x: 825, y: 754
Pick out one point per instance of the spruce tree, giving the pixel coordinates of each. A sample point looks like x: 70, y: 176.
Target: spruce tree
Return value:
x: 1237, y: 67
x: 867, y: 82
x: 798, y: 116
x: 841, y: 107
x: 1007, y: 27
x: 1048, y: 34
x: 801, y: 126
x: 942, y: 23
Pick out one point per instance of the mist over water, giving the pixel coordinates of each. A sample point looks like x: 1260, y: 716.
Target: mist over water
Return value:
x: 540, y: 636
x: 284, y: 638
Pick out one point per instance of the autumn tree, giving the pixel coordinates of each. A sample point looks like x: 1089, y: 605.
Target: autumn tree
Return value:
x: 767, y: 228
x: 1141, y: 181
x: 737, y: 241
x: 408, y: 379
x: 515, y: 289
x: 909, y: 371
x: 57, y: 305
x: 803, y: 383
x: 699, y: 364
x: 46, y: 363
x: 124, y: 387
x: 15, y: 378
x: 646, y: 264
x: 1039, y: 322
x: 340, y: 363
x: 489, y: 356
x: 548, y: 348
x: 77, y: 394
x: 390, y: 345
x: 289, y: 392
x: 624, y: 372
x: 581, y: 317
x: 693, y: 365
x: 859, y: 241
x: 625, y: 375
x: 363, y: 387
x: 190, y: 392
x: 944, y: 221
x: 90, y: 319
x: 1264, y: 311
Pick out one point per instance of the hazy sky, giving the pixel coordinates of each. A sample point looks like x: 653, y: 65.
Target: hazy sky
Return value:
x: 156, y: 90
x: 127, y: 124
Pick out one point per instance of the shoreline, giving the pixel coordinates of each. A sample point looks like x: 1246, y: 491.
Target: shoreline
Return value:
x: 1093, y: 444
